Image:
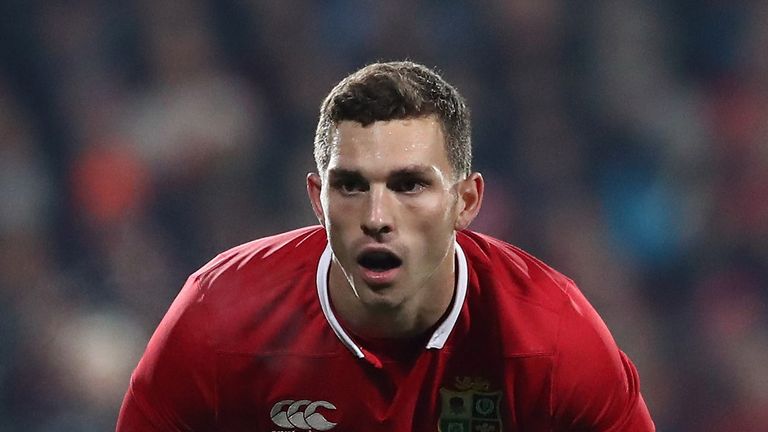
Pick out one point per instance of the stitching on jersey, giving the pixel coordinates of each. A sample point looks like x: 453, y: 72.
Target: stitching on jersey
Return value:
x: 279, y: 354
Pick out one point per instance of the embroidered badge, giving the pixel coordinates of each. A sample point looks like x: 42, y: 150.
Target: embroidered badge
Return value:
x: 470, y: 407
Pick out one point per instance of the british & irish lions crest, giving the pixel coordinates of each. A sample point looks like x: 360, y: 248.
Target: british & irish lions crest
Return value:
x: 470, y: 406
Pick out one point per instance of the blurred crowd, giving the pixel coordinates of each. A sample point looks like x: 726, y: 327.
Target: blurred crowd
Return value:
x: 625, y: 142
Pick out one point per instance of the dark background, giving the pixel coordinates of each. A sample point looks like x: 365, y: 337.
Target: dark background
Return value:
x: 624, y: 142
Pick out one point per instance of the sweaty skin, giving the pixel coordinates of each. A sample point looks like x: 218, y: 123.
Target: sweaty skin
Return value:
x: 390, y: 188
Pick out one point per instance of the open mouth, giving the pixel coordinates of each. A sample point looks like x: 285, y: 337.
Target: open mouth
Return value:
x: 379, y: 261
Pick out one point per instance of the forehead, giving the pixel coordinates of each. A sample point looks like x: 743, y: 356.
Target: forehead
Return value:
x: 389, y: 145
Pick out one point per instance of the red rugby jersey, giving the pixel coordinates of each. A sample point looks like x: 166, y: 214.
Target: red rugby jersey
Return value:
x: 251, y: 343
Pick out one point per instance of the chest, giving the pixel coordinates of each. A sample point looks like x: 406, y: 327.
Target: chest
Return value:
x: 438, y: 391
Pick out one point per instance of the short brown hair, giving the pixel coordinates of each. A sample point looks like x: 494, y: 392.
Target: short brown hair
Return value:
x: 394, y: 91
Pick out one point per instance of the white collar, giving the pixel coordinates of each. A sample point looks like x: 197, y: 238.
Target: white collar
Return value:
x: 440, y: 335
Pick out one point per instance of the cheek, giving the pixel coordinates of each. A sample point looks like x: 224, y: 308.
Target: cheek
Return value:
x: 342, y: 226
x: 434, y: 227
x: 339, y: 225
x: 432, y: 234
x: 435, y: 212
x: 339, y: 212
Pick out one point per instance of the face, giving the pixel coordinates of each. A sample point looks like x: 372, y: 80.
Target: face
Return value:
x: 390, y: 203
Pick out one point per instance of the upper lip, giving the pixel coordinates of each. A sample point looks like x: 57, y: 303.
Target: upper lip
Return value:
x: 374, y: 248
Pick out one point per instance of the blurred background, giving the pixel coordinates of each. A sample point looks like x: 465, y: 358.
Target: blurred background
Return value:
x: 623, y: 141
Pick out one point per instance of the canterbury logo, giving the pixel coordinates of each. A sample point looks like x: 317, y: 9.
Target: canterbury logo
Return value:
x: 295, y: 417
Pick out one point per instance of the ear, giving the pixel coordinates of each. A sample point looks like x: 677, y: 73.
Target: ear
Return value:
x: 314, y: 189
x: 470, y: 191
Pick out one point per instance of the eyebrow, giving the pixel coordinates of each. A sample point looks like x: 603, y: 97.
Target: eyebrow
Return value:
x: 410, y: 170
x: 341, y: 173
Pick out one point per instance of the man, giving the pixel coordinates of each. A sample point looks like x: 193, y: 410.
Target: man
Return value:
x: 391, y: 316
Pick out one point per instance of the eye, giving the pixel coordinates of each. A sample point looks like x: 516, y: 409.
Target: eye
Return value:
x: 408, y: 186
x: 351, y: 187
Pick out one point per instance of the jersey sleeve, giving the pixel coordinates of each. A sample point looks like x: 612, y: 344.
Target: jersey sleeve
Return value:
x: 595, y: 386
x: 172, y: 388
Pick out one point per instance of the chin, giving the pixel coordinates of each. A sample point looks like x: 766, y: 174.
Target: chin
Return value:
x: 380, y: 297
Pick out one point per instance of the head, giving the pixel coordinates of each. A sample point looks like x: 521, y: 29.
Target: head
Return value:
x: 394, y: 181
x: 397, y: 91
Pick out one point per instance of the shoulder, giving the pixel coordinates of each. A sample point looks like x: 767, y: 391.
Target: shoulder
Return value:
x: 514, y: 272
x: 288, y: 251
x: 518, y: 280
x: 534, y: 310
x: 526, y: 300
x: 259, y: 266
x: 269, y: 283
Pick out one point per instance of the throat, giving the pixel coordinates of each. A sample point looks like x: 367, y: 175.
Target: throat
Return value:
x: 389, y: 348
x: 393, y: 313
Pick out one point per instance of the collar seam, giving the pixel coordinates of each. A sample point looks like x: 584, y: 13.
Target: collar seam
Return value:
x: 439, y: 336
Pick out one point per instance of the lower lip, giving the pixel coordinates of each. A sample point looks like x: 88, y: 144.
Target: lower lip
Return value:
x: 379, y: 278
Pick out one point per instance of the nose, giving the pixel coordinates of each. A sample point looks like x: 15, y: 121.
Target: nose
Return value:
x: 378, y: 218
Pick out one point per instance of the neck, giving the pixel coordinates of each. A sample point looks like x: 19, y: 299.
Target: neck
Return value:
x: 395, y: 312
